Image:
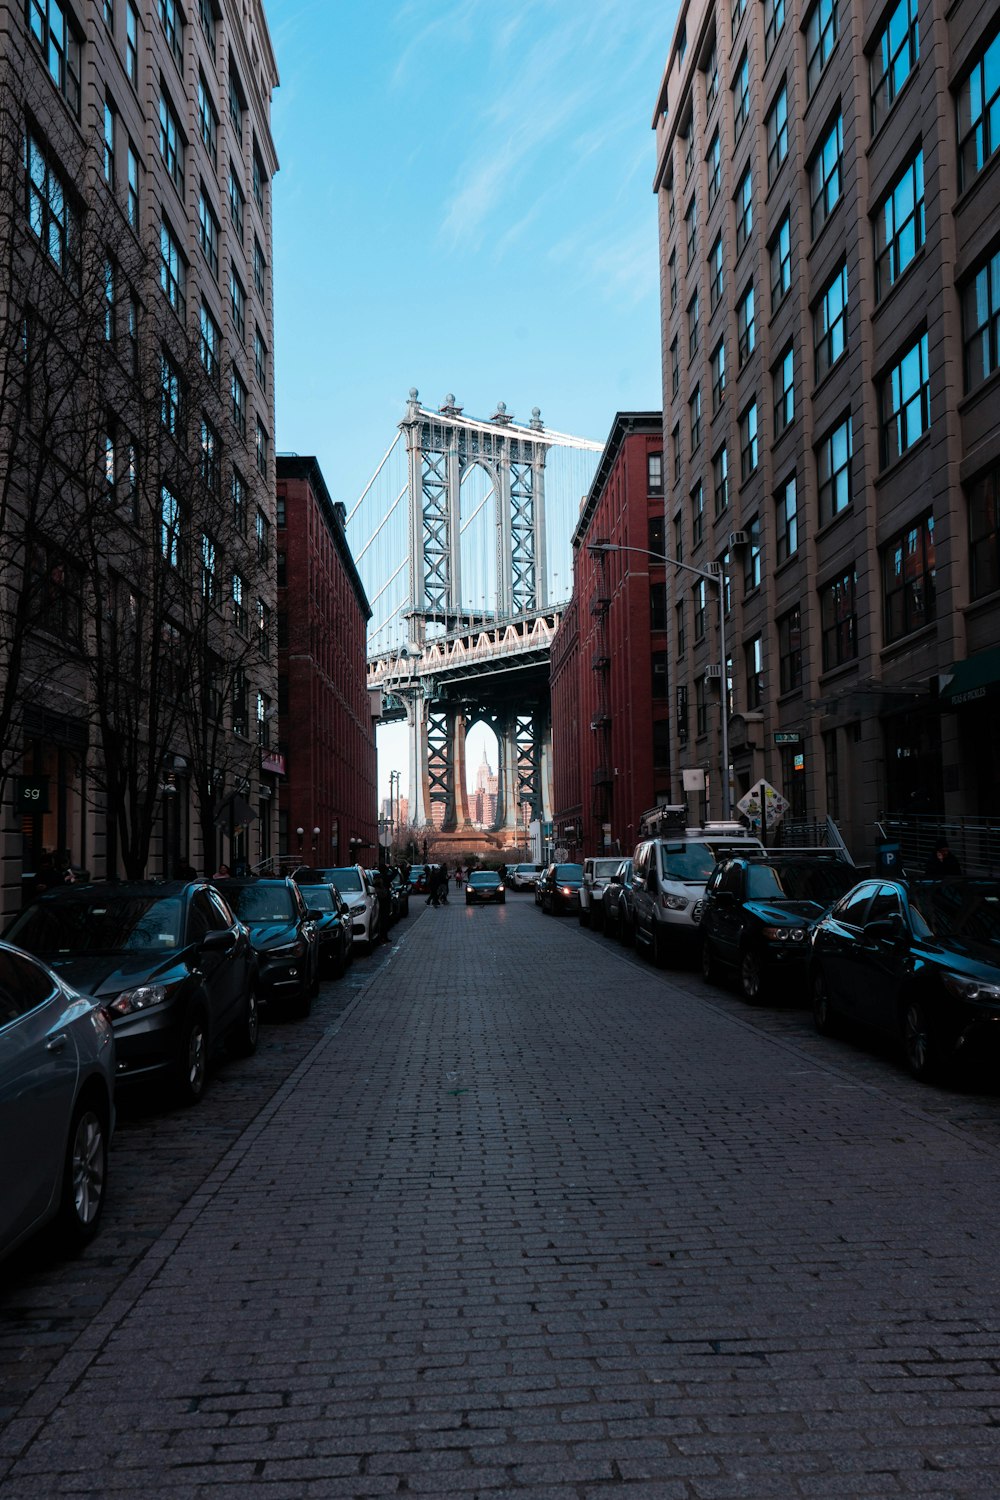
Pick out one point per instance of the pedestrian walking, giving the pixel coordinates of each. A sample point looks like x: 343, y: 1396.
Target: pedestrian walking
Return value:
x: 433, y: 886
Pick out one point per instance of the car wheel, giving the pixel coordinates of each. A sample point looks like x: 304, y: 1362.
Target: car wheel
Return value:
x: 468, y: 900
x: 583, y: 917
x: 246, y: 1032
x: 314, y: 987
x: 751, y: 976
x: 85, y: 1176
x: 709, y: 962
x: 191, y: 1067
x: 825, y: 1018
x: 597, y: 919
x: 921, y: 1048
x: 659, y: 948
x: 626, y: 935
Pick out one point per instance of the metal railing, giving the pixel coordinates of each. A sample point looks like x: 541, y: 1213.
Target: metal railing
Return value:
x: 974, y: 841
x: 815, y: 833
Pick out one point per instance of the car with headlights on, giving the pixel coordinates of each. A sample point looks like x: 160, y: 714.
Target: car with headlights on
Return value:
x: 759, y: 913
x: 558, y: 889
x: 485, y: 888
x: 331, y: 918
x: 357, y: 890
x: 917, y: 960
x: 172, y: 967
x: 283, y: 933
x: 57, y: 1079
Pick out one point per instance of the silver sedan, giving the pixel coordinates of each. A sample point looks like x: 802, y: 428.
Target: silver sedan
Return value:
x: 57, y: 1070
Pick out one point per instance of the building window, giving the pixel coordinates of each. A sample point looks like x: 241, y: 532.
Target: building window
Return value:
x: 984, y: 534
x: 133, y: 188
x: 56, y: 593
x: 908, y: 580
x: 678, y: 537
x: 741, y: 94
x: 207, y: 18
x: 899, y: 226
x: 675, y: 366
x: 658, y: 684
x: 171, y: 396
x: 713, y: 162
x: 259, y: 268
x: 262, y: 537
x: 691, y: 229
x: 786, y: 527
x: 746, y: 326
x: 822, y: 28
x: 240, y: 697
x: 830, y: 324
x: 672, y: 267
x: 210, y: 457
x: 654, y: 477
x: 209, y: 570
x: 774, y: 23
x: 132, y: 333
x: 720, y: 481
x: 261, y: 448
x: 238, y: 495
x: 744, y: 209
x: 109, y: 143
x: 718, y: 375
x: 52, y: 212
x: 675, y: 438
x: 656, y: 539
x: 679, y: 613
x: 825, y: 177
x: 263, y: 628
x: 657, y: 606
x: 783, y: 379
x: 260, y: 358
x: 170, y: 527
x: 838, y: 620
x: 239, y: 606
x: 109, y: 301
x: 753, y: 657
x: 699, y: 599
x: 238, y: 305
x: 736, y: 9
x: 208, y: 233
x: 172, y: 16
x: 694, y: 412
x: 832, y: 774
x: 688, y: 140
x: 236, y: 105
x: 833, y: 471
x: 748, y: 442
x: 781, y: 262
x: 132, y: 44
x: 239, y: 395
x: 56, y: 34
x: 711, y: 79
x: 173, y: 272
x: 209, y: 344
x: 894, y: 58
x: 259, y: 179
x: 979, y: 114
x: 905, y: 402
x: 777, y: 134
x: 208, y: 120
x: 981, y: 323
x: 692, y: 322
x: 715, y: 274
x: 752, y: 559
x: 171, y: 143
x: 697, y: 514
x: 237, y: 205
x: 790, y: 650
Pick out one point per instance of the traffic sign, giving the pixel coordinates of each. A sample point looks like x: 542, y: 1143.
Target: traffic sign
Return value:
x: 788, y: 737
x: 775, y: 805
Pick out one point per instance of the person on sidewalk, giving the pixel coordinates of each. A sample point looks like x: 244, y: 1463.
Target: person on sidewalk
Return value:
x: 941, y: 863
x: 433, y: 885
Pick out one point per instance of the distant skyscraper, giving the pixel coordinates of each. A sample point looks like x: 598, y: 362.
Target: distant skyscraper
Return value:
x: 484, y: 798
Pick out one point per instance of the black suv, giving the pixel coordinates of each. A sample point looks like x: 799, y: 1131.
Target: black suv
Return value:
x: 284, y: 937
x: 759, y: 913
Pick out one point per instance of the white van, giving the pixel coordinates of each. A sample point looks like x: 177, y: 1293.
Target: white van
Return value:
x: 669, y: 876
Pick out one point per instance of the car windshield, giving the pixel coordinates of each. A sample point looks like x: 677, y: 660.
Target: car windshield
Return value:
x: 99, y: 924
x: 318, y: 897
x: 960, y: 909
x: 692, y: 861
x: 484, y: 877
x: 260, y: 903
x: 568, y: 873
x: 605, y: 867
x: 820, y: 881
x: 526, y: 869
x: 347, y: 880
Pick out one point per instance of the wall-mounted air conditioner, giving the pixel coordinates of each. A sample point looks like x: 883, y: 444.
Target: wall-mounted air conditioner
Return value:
x: 739, y: 539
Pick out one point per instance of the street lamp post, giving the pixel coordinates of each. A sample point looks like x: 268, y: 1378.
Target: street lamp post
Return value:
x: 717, y: 577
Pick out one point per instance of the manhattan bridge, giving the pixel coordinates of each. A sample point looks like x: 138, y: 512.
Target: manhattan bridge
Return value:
x: 462, y: 541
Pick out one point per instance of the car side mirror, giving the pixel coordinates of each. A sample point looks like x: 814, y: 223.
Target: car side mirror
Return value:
x: 615, y: 880
x: 724, y: 898
x: 885, y: 930
x: 315, y: 915
x: 219, y: 941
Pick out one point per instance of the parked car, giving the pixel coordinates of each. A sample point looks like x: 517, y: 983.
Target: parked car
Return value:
x: 400, y: 892
x: 558, y: 889
x: 284, y: 937
x: 596, y: 874
x: 353, y: 884
x: 524, y: 877
x: 172, y: 967
x: 759, y: 914
x: 484, y: 886
x: 417, y: 880
x: 615, y: 898
x: 669, y: 876
x: 917, y: 960
x: 57, y: 1079
x: 331, y: 917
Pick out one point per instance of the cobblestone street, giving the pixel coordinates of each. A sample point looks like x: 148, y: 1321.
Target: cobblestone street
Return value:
x: 514, y: 1213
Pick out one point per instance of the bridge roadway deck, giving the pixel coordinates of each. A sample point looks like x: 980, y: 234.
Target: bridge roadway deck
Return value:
x: 533, y: 1219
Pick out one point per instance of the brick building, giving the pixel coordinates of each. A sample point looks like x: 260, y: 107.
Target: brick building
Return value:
x: 326, y: 729
x: 828, y: 182
x: 609, y: 658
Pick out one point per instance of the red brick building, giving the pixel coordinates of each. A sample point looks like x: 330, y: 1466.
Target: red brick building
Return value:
x: 609, y: 658
x: 327, y: 734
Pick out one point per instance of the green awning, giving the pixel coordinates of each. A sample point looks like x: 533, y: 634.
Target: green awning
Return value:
x: 971, y: 680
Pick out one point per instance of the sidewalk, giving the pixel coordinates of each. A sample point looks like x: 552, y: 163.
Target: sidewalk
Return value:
x: 535, y: 1220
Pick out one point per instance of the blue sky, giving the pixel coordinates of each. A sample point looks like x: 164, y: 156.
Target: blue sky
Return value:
x: 464, y: 204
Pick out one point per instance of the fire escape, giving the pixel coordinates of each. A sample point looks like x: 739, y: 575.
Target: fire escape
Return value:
x: 600, y: 724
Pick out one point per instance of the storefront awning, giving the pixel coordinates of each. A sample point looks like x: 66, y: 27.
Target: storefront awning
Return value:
x: 971, y: 680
